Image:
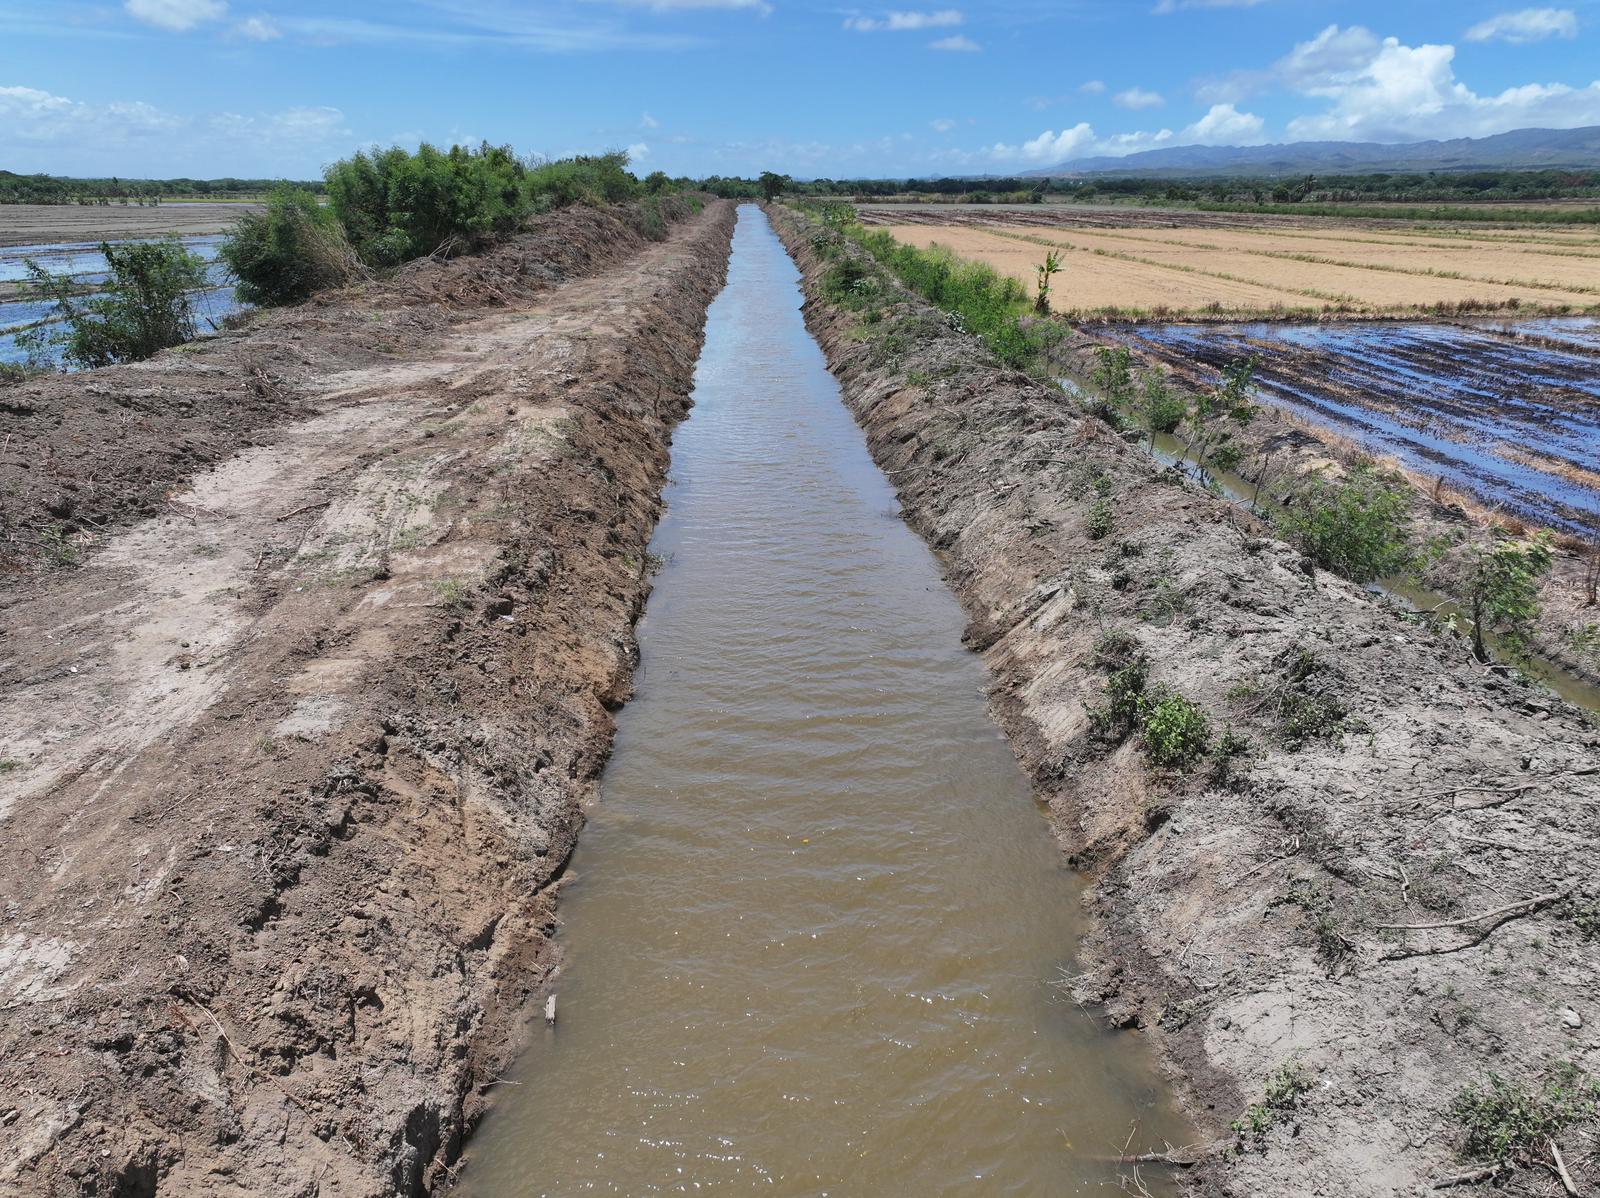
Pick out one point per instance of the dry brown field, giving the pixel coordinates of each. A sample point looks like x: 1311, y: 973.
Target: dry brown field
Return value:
x: 1326, y: 267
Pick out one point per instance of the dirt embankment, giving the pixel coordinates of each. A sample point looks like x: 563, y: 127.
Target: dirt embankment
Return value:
x: 1280, y: 446
x: 1246, y: 906
x: 292, y: 762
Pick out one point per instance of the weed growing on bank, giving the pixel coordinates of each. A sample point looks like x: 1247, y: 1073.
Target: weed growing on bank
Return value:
x: 145, y: 305
x: 1502, y: 1120
x: 1284, y: 1089
x: 1357, y: 526
x: 979, y: 300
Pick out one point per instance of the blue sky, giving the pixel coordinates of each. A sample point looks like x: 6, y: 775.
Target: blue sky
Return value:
x: 280, y: 87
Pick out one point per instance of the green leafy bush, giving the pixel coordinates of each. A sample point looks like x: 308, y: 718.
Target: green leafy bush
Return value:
x: 146, y: 305
x: 989, y: 304
x: 394, y: 205
x: 1502, y: 591
x: 1176, y: 732
x: 1359, y: 527
x: 1283, y: 1091
x: 1161, y: 408
x: 288, y: 252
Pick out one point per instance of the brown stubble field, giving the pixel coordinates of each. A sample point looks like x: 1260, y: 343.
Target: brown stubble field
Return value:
x: 1182, y: 267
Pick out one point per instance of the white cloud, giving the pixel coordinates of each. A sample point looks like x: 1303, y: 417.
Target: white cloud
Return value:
x: 1386, y: 91
x: 958, y: 43
x: 1526, y: 25
x: 638, y: 152
x: 1049, y: 146
x: 646, y: 121
x: 40, y: 130
x: 1224, y: 125
x: 177, y: 15
x: 904, y: 22
x: 1137, y: 99
x: 257, y: 29
x: 942, y: 125
x: 1093, y: 87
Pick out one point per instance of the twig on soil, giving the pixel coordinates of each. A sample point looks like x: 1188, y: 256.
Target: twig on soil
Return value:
x: 1561, y: 1170
x: 1473, y: 1176
x: 310, y: 507
x: 1524, y: 907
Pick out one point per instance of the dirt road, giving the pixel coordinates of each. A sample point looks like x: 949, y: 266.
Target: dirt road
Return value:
x: 1385, y: 895
x: 292, y: 761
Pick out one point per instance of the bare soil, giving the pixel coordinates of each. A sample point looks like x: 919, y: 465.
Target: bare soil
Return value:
x: 295, y: 751
x: 43, y: 224
x: 1247, y: 917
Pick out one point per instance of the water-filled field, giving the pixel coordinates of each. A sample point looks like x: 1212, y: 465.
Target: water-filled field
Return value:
x: 84, y: 262
x: 1507, y: 412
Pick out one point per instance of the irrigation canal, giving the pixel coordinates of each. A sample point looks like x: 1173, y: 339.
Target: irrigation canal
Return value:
x: 812, y: 927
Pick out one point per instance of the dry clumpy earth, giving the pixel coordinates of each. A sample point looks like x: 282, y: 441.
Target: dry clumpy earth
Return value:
x: 1248, y: 905
x: 293, y: 754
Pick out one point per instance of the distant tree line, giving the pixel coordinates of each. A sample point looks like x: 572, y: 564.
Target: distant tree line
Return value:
x: 54, y: 189
x: 1381, y: 186
x: 1374, y: 187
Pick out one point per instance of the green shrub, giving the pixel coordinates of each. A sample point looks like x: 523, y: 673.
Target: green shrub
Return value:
x: 1123, y: 700
x: 146, y: 306
x: 1112, y: 377
x: 989, y: 304
x: 285, y: 254
x: 1502, y: 591
x: 1501, y: 1119
x: 848, y: 282
x: 1359, y: 527
x: 1101, y: 518
x: 1161, y: 408
x: 394, y: 205
x: 1176, y: 731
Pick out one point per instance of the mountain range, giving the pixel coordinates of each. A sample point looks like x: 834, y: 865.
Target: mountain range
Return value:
x: 1526, y: 149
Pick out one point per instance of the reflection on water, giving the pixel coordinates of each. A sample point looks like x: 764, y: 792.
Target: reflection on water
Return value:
x: 86, y: 264
x: 1508, y: 412
x: 812, y: 924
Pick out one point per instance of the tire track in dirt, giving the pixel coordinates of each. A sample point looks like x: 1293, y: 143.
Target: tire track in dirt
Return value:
x: 297, y: 763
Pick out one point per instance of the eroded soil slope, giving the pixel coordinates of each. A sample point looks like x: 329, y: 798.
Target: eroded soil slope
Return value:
x: 292, y: 763
x: 1249, y: 907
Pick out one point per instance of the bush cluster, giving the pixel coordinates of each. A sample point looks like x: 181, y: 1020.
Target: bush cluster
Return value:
x: 288, y: 252
x: 390, y: 206
x: 1358, y: 526
x: 145, y: 305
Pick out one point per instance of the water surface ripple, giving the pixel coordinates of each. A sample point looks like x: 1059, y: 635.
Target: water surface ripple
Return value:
x: 812, y: 923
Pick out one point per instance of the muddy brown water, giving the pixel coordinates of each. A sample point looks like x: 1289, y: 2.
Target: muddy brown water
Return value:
x: 812, y: 927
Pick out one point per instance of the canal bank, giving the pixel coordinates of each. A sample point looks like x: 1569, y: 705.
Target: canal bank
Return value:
x: 1301, y: 920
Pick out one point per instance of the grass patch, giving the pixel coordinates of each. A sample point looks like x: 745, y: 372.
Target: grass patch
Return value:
x: 1502, y: 1120
x: 1284, y: 1089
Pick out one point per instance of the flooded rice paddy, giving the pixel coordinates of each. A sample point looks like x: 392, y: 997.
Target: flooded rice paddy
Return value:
x: 1506, y: 412
x: 84, y: 262
x: 812, y: 926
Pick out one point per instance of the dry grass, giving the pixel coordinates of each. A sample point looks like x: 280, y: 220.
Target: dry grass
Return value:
x: 1194, y: 271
